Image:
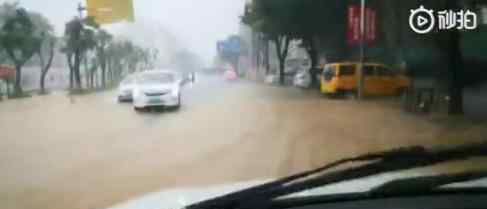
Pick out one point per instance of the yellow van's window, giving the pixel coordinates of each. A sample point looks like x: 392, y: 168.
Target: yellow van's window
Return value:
x: 329, y: 72
x: 382, y: 71
x: 369, y: 70
x: 347, y: 70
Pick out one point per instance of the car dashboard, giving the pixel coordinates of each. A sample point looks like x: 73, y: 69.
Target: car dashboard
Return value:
x: 447, y: 201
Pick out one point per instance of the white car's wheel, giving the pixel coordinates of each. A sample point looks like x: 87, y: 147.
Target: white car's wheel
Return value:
x: 138, y: 109
x: 178, y: 105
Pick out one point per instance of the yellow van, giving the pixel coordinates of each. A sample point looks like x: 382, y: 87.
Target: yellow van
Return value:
x: 338, y: 78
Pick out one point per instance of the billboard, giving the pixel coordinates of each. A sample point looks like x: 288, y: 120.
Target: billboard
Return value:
x: 110, y: 11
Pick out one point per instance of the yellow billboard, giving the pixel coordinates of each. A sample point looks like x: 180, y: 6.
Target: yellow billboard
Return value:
x: 110, y: 11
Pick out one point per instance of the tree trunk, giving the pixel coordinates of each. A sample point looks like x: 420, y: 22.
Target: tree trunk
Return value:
x: 103, y: 63
x: 77, y: 74
x: 92, y: 79
x: 42, y: 84
x: 456, y: 67
x: 7, y: 81
x: 282, y: 46
x: 103, y: 78
x: 45, y: 66
x: 266, y: 57
x: 71, y: 79
x: 71, y: 69
x: 313, y: 71
x: 313, y: 56
x: 109, y: 72
x: 18, y: 80
x: 103, y: 73
x: 87, y: 70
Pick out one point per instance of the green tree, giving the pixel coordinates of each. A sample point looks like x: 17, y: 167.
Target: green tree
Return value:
x: 272, y: 18
x: 6, y: 10
x: 79, y: 37
x: 117, y: 58
x: 312, y: 19
x: 46, y: 48
x: 135, y: 57
x: 103, y: 39
x: 20, y: 42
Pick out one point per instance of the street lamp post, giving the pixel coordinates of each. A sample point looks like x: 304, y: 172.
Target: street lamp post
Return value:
x: 80, y: 10
x: 360, y: 89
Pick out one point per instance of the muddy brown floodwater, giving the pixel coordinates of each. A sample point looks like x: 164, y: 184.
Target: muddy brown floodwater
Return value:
x: 93, y: 153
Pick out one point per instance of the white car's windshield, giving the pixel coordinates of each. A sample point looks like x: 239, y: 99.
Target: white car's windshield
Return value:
x: 153, y: 78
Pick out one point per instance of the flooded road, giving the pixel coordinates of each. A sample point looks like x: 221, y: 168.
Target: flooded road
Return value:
x: 91, y: 152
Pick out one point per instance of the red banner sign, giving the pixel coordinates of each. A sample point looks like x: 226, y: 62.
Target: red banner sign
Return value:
x: 370, y: 25
x: 353, y: 31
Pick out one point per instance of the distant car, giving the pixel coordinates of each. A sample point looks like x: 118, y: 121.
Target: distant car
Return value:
x: 271, y: 79
x: 125, y: 89
x: 157, y: 89
x: 230, y: 75
x: 302, y: 79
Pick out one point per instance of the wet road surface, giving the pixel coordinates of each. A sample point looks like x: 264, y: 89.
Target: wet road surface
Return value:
x: 91, y: 152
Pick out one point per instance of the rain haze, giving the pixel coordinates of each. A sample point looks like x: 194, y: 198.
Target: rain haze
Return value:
x: 196, y: 25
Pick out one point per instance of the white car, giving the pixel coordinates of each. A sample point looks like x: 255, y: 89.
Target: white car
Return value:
x: 125, y: 89
x: 157, y: 89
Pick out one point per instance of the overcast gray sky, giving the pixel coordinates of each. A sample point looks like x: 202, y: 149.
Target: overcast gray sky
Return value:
x: 197, y: 23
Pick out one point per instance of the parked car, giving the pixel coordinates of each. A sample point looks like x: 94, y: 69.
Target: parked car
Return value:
x: 230, y: 75
x: 339, y: 78
x: 157, y: 89
x: 125, y: 89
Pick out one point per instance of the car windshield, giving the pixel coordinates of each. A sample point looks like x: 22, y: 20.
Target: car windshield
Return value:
x: 105, y: 102
x: 153, y: 78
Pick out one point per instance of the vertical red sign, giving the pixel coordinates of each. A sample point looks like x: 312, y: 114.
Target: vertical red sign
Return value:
x: 353, y: 31
x: 370, y: 25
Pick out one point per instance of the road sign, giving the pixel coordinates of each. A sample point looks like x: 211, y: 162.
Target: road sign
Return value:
x: 233, y: 45
x: 110, y: 11
x: 229, y: 46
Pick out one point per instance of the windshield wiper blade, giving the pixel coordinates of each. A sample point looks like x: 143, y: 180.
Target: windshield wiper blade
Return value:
x: 230, y: 199
x: 425, y: 183
x: 394, y: 160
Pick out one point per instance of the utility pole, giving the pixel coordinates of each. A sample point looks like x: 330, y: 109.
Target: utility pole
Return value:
x: 80, y: 10
x: 361, y: 73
